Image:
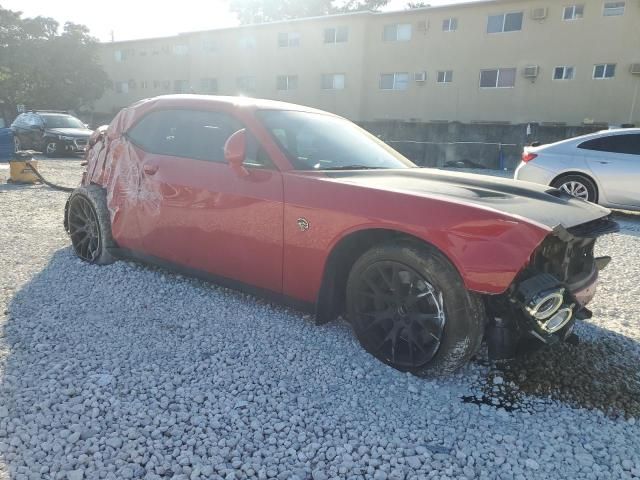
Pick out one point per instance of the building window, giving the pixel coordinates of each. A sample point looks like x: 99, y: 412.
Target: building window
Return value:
x: 613, y: 9
x: 209, y: 85
x: 604, y: 70
x: 445, y: 76
x: 449, y: 24
x: 287, y: 82
x: 333, y: 81
x: 506, y: 22
x: 573, y: 12
x: 563, y: 73
x: 246, y: 84
x: 498, y: 78
x: 336, y: 35
x: 289, y: 39
x: 210, y: 46
x: 181, y: 86
x: 123, y: 55
x: 394, y: 81
x: 247, y: 43
x: 144, y: 84
x: 180, y: 50
x: 121, y: 87
x: 400, y: 32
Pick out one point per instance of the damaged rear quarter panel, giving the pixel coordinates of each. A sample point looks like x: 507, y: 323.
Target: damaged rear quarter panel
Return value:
x: 114, y: 164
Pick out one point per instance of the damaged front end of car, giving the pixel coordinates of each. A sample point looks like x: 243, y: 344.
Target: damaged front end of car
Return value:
x: 551, y: 293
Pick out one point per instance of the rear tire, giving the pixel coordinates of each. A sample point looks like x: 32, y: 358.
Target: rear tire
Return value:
x: 577, y: 185
x: 89, y: 225
x: 409, y: 308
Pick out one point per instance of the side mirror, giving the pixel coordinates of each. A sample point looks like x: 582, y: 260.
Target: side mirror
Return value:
x: 234, y: 152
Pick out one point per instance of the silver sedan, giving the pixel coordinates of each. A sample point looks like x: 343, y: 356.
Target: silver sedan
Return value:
x: 601, y: 167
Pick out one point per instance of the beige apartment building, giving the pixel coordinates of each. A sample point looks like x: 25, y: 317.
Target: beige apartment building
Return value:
x: 547, y: 61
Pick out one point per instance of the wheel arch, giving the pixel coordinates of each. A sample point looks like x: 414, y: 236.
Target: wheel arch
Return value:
x: 580, y: 173
x: 331, y: 296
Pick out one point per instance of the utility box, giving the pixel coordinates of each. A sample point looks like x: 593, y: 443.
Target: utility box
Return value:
x: 7, y: 147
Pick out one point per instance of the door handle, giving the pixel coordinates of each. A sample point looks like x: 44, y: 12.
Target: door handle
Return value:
x: 150, y: 169
x: 602, y: 162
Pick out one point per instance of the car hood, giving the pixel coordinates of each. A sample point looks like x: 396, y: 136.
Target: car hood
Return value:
x: 71, y: 132
x: 537, y: 203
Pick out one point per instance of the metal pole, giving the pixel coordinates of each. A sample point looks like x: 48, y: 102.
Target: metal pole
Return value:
x: 633, y: 102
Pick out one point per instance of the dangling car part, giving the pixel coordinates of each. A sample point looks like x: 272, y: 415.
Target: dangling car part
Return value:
x: 305, y: 207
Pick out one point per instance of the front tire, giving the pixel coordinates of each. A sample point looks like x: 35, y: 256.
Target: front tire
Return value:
x: 89, y: 225
x: 52, y: 148
x: 409, y: 308
x: 579, y: 186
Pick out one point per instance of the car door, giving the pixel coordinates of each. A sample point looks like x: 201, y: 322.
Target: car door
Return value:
x: 21, y: 130
x: 201, y: 214
x: 615, y: 161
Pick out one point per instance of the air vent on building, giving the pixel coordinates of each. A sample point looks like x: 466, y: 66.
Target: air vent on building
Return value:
x: 539, y: 13
x: 635, y: 69
x: 531, y: 71
x: 420, y: 76
x: 422, y: 26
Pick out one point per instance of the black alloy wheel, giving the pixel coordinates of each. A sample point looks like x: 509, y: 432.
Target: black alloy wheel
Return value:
x: 84, y: 229
x: 409, y: 308
x: 400, y: 316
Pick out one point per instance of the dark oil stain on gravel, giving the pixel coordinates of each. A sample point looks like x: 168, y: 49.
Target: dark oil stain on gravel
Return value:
x: 589, y: 375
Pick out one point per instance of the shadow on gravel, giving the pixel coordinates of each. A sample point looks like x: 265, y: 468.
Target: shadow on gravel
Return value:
x: 603, y: 375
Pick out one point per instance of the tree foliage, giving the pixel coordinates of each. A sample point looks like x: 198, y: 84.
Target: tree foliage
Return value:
x: 259, y: 11
x: 43, y: 67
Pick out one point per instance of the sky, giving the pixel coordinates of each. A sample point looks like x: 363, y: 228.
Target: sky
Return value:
x: 131, y: 19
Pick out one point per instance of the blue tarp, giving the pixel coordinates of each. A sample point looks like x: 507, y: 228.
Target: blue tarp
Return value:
x: 6, y: 144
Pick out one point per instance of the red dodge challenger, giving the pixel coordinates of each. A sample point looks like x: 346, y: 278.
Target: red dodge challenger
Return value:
x: 308, y: 208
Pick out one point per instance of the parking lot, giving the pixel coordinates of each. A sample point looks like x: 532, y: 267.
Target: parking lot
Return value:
x: 127, y: 371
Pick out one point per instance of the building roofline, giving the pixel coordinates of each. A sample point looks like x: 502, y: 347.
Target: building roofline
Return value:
x: 468, y: 3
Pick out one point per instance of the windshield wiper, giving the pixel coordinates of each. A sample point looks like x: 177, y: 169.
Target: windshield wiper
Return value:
x: 351, y: 167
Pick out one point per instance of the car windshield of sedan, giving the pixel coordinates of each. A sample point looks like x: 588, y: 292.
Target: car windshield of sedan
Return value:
x: 62, y: 121
x: 315, y: 141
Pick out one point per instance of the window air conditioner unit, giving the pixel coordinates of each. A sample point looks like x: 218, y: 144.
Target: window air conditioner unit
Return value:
x: 539, y: 13
x: 531, y: 71
x: 635, y: 69
x: 420, y: 76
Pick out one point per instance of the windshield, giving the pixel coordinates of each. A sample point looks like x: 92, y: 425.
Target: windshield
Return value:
x: 62, y: 121
x: 314, y: 141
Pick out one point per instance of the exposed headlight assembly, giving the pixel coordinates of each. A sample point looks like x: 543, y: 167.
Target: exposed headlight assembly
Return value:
x: 543, y: 300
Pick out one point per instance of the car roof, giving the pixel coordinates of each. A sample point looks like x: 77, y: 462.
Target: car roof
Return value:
x: 589, y: 136
x: 193, y: 100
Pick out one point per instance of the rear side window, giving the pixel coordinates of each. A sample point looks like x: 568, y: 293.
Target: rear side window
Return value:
x: 185, y: 133
x: 629, y: 144
x: 196, y: 134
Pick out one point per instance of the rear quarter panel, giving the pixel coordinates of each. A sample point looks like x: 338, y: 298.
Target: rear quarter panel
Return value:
x: 487, y: 247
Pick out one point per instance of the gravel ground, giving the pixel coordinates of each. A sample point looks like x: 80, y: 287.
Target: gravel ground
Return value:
x: 130, y: 372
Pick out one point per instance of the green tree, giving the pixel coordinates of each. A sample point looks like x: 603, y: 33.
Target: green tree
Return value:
x: 259, y: 11
x: 43, y: 67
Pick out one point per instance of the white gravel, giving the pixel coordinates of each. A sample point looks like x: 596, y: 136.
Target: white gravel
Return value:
x: 130, y: 372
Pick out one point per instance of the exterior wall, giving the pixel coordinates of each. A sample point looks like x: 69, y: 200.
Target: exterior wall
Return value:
x: 547, y: 43
x: 468, y: 145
